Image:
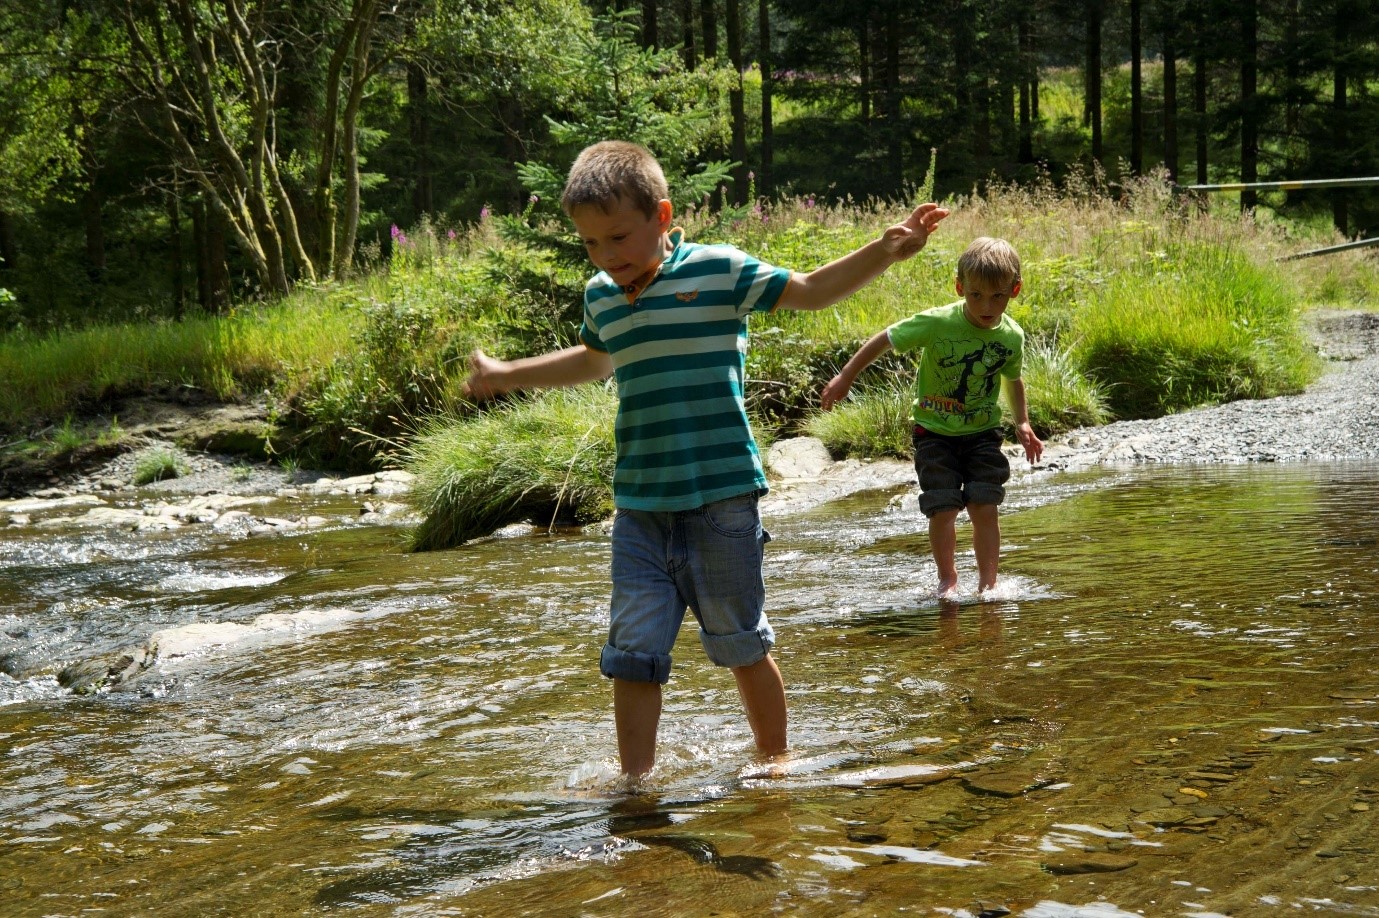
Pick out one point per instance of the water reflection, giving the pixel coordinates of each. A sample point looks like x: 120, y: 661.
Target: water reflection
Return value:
x: 1170, y: 708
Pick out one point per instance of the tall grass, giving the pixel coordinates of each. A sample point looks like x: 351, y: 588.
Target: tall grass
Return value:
x: 226, y: 357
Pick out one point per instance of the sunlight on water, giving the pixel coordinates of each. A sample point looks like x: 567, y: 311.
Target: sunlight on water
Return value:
x: 1167, y: 706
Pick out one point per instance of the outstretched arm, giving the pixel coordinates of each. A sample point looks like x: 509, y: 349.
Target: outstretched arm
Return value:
x: 573, y: 365
x: 838, y: 387
x: 1034, y: 447
x: 839, y: 279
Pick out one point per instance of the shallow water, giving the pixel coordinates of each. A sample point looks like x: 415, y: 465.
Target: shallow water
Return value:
x: 1170, y: 708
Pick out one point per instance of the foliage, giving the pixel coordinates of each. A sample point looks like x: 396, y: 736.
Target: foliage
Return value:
x: 40, y: 146
x: 546, y: 460
x: 645, y: 96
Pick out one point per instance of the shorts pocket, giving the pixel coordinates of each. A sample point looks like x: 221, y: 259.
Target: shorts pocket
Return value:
x: 736, y: 516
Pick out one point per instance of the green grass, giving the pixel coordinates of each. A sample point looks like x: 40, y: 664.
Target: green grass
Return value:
x: 63, y: 372
x: 872, y: 421
x: 545, y: 460
x: 159, y: 465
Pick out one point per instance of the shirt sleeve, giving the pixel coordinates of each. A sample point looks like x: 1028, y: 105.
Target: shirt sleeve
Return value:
x: 1014, y: 366
x: 759, y: 286
x: 588, y: 331
x: 908, y: 334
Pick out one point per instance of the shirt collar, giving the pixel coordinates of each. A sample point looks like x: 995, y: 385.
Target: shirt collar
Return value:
x: 635, y: 289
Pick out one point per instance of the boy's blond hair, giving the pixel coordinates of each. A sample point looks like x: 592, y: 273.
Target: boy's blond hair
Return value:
x: 991, y: 261
x: 613, y: 171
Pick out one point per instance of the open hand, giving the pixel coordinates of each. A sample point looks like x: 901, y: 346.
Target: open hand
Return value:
x: 1034, y: 447
x: 905, y: 239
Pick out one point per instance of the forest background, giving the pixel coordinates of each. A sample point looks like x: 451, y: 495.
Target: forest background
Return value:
x: 324, y: 204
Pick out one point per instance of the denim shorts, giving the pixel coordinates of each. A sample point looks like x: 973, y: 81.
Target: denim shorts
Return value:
x: 961, y: 470
x: 707, y: 560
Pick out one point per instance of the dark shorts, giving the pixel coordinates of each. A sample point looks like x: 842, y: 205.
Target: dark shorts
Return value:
x: 957, y: 471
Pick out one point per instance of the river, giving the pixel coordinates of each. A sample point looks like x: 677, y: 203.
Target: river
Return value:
x: 1171, y: 707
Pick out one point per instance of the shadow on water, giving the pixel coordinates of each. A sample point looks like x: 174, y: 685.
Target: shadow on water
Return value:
x: 453, y: 850
x: 1169, y: 707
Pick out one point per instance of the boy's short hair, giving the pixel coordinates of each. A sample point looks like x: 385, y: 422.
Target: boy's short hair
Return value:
x: 993, y: 261
x: 613, y: 171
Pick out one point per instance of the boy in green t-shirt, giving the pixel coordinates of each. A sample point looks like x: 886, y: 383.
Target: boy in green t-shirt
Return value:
x: 969, y: 346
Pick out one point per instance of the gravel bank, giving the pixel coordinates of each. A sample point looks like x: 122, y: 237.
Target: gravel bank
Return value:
x: 1336, y: 418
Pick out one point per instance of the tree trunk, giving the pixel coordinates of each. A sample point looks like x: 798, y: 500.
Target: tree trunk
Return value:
x: 1249, y: 101
x: 1199, y: 96
x: 736, y: 104
x: 767, y: 79
x: 1027, y: 66
x: 326, y: 211
x: 687, y: 34
x: 650, y: 30
x: 349, y: 141
x: 212, y: 276
x: 419, y: 123
x: 1136, y: 91
x: 965, y: 53
x: 9, y: 242
x: 865, y: 74
x: 175, y: 268
x: 1092, y: 113
x: 1340, y: 91
x: 92, y: 205
x: 1170, y: 102
x: 895, y: 152
x: 708, y: 26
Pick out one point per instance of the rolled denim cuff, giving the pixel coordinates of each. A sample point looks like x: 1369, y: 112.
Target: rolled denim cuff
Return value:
x: 741, y: 649
x: 630, y: 666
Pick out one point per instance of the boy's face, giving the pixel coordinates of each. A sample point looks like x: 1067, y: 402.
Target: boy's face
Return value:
x: 985, y: 302
x: 624, y: 242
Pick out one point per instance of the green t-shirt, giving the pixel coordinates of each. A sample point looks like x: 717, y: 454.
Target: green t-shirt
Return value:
x: 957, y: 386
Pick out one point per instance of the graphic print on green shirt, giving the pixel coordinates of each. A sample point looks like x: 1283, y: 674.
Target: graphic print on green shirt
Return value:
x: 957, y: 386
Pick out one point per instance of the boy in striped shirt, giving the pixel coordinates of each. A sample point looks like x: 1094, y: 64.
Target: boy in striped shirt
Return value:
x: 668, y: 318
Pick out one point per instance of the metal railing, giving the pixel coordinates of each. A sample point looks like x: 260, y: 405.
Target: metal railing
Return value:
x: 1301, y: 185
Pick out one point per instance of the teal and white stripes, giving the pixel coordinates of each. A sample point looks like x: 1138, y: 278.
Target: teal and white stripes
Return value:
x: 679, y: 358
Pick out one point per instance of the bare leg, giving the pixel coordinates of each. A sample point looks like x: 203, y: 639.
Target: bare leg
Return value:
x: 986, y: 543
x: 943, y: 539
x: 763, y: 695
x: 636, y: 713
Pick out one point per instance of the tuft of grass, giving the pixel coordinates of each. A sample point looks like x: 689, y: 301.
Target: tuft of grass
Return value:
x: 546, y: 459
x: 875, y: 421
x: 67, y: 438
x: 159, y: 465
x: 1215, y: 328
x: 1060, y: 396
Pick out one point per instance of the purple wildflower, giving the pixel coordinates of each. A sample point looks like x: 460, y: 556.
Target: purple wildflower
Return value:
x: 484, y: 212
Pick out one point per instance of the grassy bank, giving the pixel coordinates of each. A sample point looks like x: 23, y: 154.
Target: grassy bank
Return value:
x: 1135, y: 305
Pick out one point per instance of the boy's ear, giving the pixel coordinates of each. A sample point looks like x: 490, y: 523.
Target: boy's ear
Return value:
x: 665, y: 211
x: 1015, y: 290
x: 958, y: 285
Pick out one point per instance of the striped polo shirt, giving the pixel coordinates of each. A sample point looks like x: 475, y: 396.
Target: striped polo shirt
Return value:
x: 679, y: 353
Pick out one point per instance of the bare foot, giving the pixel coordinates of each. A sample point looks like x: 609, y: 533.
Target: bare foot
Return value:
x: 774, y: 767
x: 947, y: 588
